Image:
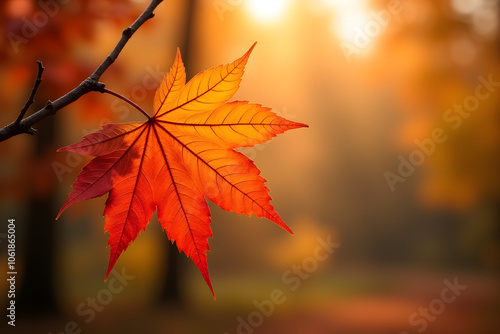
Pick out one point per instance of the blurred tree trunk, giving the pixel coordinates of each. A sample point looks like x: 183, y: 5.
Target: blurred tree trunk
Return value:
x: 37, y: 292
x: 171, y: 290
x: 496, y: 202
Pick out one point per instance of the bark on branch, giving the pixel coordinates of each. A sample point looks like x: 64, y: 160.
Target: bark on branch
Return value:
x: 90, y: 84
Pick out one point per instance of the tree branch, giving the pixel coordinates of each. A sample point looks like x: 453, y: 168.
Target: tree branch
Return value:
x: 31, y: 99
x: 88, y: 85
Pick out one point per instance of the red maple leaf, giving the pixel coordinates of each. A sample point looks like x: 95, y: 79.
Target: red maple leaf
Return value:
x: 180, y: 155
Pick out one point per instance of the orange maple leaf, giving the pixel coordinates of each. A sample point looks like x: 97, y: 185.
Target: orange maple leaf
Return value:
x: 180, y: 155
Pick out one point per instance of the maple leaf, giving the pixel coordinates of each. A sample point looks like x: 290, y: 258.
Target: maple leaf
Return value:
x: 180, y: 155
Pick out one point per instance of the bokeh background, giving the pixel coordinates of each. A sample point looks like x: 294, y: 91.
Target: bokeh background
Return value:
x: 370, y: 78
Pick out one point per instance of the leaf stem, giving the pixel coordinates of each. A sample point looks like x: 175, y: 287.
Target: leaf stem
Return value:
x: 132, y: 103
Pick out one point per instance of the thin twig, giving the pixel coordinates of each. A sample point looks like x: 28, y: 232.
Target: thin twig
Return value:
x: 132, y: 103
x: 31, y: 99
x: 88, y: 85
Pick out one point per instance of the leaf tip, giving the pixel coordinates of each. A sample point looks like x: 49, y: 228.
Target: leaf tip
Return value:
x: 107, y: 274
x: 285, y: 226
x: 281, y: 224
x: 112, y: 261
x: 252, y: 47
x: 209, y: 283
x: 247, y: 54
x: 301, y: 125
x: 212, y: 290
x: 64, y: 207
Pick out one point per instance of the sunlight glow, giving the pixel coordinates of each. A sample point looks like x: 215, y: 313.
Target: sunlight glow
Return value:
x: 265, y: 10
x: 351, y: 16
x: 483, y: 14
x: 465, y: 6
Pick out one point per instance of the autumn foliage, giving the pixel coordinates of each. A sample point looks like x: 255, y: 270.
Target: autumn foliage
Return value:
x: 180, y: 155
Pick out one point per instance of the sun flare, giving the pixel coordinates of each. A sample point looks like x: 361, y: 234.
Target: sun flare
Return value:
x: 351, y: 16
x: 266, y: 11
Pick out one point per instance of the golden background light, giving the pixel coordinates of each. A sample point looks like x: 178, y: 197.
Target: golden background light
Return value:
x: 350, y: 16
x: 267, y: 11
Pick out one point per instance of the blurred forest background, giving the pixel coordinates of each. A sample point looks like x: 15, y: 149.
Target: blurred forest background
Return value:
x: 372, y: 79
